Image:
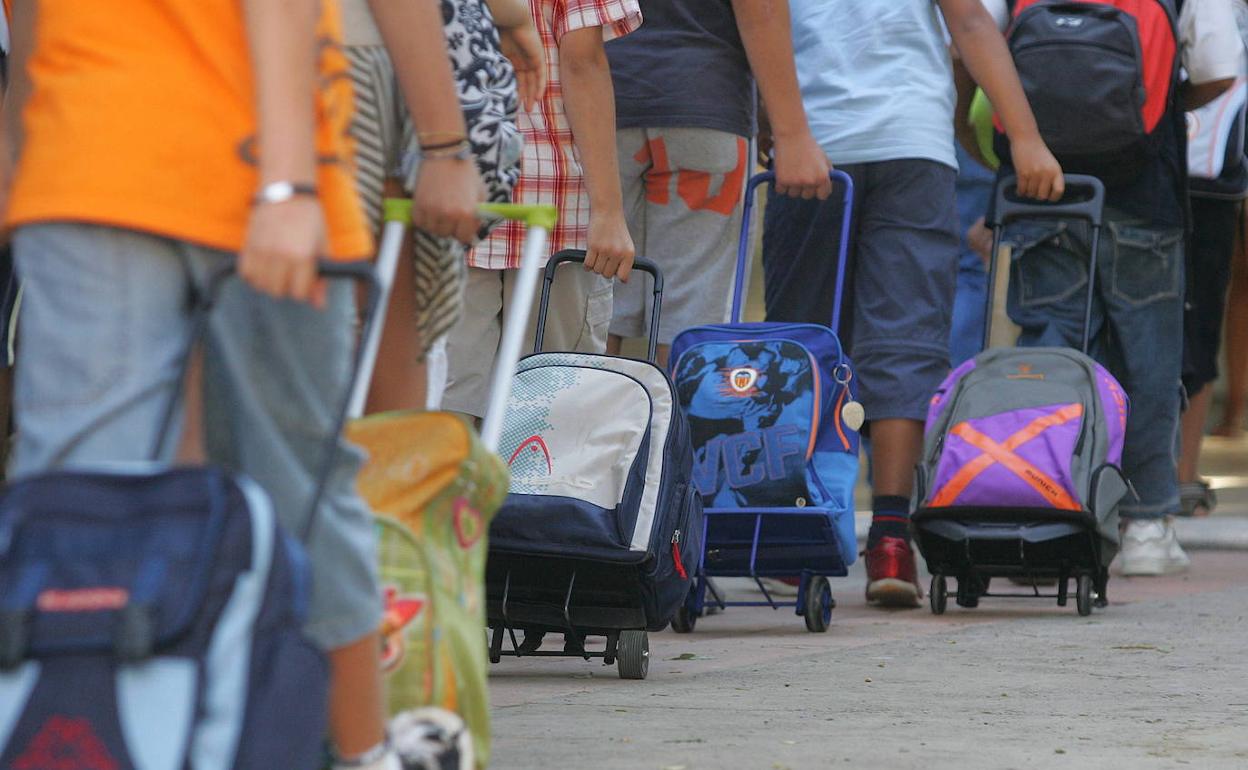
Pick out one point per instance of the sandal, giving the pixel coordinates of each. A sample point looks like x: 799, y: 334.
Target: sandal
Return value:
x: 1196, y: 498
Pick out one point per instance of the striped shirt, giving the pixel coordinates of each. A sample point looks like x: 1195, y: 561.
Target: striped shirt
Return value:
x: 550, y: 171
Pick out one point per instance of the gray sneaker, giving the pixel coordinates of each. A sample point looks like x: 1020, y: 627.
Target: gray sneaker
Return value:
x: 1149, y: 547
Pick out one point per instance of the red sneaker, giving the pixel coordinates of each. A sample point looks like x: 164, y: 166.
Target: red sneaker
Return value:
x: 892, y: 579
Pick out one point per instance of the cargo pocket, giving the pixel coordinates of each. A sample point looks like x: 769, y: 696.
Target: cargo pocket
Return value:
x: 1046, y: 263
x: 1146, y: 263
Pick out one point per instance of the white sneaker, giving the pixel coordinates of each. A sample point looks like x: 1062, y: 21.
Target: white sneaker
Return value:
x: 431, y: 739
x: 1149, y: 547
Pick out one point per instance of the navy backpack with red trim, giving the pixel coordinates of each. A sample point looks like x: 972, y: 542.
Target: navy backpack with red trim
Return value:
x: 1100, y: 75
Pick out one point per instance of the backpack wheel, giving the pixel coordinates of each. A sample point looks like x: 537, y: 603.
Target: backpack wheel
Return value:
x: 818, y: 604
x: 938, y: 595
x: 684, y: 620
x: 1083, y: 595
x: 633, y: 655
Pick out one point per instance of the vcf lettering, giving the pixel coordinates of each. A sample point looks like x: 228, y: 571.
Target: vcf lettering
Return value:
x: 749, y: 458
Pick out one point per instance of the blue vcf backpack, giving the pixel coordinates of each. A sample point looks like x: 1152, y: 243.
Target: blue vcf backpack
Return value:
x: 772, y: 411
x: 152, y: 618
x: 764, y: 403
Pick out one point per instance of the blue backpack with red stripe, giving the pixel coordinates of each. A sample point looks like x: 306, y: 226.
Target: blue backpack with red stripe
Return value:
x: 766, y: 404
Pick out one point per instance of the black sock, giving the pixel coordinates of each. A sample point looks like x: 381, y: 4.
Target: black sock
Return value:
x: 890, y: 517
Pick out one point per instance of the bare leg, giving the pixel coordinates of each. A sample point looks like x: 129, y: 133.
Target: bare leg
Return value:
x: 191, y: 442
x: 614, y: 343
x: 1236, y: 346
x: 356, y: 713
x: 895, y: 449
x: 1192, y: 431
x: 892, y: 578
x: 400, y: 380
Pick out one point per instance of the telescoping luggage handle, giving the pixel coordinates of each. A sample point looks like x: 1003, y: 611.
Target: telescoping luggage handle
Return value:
x: 538, y: 219
x: 1084, y: 199
x: 743, y: 246
x: 577, y: 256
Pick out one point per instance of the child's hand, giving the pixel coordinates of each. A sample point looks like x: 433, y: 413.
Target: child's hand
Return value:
x: 523, y: 48
x: 801, y: 167
x: 281, y: 248
x: 444, y: 202
x: 610, y: 252
x: 1038, y: 172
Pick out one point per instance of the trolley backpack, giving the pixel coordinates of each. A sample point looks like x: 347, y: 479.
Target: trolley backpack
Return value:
x: 601, y: 476
x: 774, y: 418
x: 153, y: 619
x: 1023, y: 448
x: 1100, y: 75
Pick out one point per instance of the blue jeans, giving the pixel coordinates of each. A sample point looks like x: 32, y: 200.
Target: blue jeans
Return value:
x: 974, y: 189
x: 104, y: 324
x: 1137, y: 327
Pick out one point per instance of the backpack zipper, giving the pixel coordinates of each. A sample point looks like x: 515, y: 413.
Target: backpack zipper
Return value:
x: 676, y: 558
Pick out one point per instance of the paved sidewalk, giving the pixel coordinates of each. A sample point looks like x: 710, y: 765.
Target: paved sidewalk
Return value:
x: 1159, y: 679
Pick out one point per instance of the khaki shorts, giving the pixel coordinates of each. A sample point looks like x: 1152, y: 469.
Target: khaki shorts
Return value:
x: 682, y: 197
x: 580, y: 311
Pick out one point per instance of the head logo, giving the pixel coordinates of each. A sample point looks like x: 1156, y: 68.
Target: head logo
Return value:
x: 742, y: 380
x: 531, y: 452
x: 1068, y: 22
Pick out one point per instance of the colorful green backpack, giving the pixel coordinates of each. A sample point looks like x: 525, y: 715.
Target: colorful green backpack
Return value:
x: 434, y: 488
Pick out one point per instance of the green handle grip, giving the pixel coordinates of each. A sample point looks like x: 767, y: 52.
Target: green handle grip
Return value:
x: 532, y: 214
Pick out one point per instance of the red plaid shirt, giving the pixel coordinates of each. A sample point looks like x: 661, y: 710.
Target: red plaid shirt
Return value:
x: 550, y: 171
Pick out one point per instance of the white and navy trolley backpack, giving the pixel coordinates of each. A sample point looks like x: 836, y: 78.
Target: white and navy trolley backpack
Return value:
x: 601, y: 531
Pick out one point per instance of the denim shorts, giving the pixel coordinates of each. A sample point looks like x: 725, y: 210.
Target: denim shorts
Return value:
x: 104, y: 326
x: 901, y: 281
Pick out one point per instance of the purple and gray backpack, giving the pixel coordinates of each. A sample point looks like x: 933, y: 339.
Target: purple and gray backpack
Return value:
x: 1038, y: 429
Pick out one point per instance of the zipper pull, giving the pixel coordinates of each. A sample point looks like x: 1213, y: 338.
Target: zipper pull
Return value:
x: 679, y: 562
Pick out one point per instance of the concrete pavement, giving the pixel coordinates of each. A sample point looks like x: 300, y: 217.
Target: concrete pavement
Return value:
x: 1159, y: 679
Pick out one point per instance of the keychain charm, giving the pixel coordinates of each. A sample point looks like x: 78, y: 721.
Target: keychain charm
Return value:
x: 852, y: 413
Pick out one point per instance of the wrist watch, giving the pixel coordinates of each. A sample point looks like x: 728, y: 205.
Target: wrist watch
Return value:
x: 280, y: 192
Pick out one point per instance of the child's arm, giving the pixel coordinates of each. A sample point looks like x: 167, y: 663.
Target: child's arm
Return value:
x: 520, y: 43
x: 988, y: 60
x: 589, y: 99
x: 448, y: 189
x: 963, y: 131
x: 284, y: 239
x: 801, y: 165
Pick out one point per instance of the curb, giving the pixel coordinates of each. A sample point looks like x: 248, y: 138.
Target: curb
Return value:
x: 1213, y: 533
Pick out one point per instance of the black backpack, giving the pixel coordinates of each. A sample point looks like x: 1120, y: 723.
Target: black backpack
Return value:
x: 1101, y: 76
